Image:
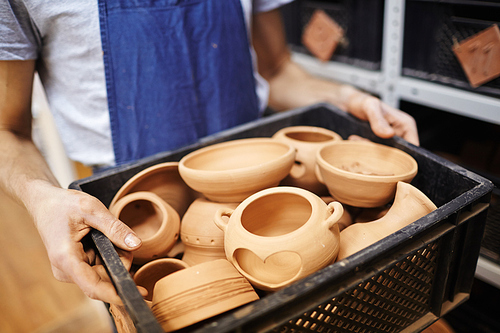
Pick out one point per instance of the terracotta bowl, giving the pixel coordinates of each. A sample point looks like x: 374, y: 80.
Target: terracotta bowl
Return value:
x: 153, y: 220
x: 307, y: 140
x: 147, y: 275
x: 280, y: 235
x: 164, y: 180
x: 199, y: 292
x: 203, y: 240
x: 363, y: 173
x: 233, y: 170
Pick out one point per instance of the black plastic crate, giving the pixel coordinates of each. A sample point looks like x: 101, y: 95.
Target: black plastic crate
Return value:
x: 403, y: 282
x: 361, y: 20
x: 490, y: 245
x: 431, y: 29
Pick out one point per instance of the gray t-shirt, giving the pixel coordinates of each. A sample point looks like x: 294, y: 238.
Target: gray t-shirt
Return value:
x: 65, y: 38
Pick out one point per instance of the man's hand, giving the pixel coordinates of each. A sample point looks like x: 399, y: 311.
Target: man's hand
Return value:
x: 64, y: 218
x: 291, y: 86
x: 385, y: 121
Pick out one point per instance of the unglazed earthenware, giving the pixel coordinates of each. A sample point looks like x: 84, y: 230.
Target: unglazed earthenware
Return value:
x: 307, y: 140
x: 199, y: 292
x: 409, y: 205
x: 203, y: 240
x: 155, y: 222
x: 363, y: 173
x: 279, y: 235
x: 231, y: 171
x: 346, y: 218
x: 150, y: 273
x: 164, y: 180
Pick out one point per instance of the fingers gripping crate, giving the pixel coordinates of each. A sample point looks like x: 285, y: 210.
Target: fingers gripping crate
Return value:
x: 401, y: 283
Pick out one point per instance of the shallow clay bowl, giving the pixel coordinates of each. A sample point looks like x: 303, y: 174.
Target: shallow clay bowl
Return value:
x: 363, y: 173
x: 199, y: 292
x: 164, y: 180
x: 231, y: 171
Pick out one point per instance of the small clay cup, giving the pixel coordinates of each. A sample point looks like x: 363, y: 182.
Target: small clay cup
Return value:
x: 164, y: 180
x: 307, y: 140
x: 203, y: 241
x: 363, y: 173
x: 148, y: 274
x: 155, y: 222
x: 279, y: 235
x: 199, y: 292
x: 233, y: 170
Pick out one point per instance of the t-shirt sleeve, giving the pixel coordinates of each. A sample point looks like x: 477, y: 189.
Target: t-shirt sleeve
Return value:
x: 18, y: 38
x: 267, y: 5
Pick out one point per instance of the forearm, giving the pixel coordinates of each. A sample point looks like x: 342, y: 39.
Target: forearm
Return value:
x: 24, y: 173
x: 291, y: 87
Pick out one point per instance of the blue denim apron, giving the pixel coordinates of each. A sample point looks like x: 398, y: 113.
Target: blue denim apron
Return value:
x: 176, y: 71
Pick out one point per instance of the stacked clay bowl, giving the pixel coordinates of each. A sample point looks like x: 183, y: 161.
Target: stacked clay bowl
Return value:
x: 162, y: 179
x: 363, y: 173
x: 307, y: 140
x: 231, y: 171
x: 203, y: 240
x: 199, y: 292
x: 148, y: 274
x: 155, y: 222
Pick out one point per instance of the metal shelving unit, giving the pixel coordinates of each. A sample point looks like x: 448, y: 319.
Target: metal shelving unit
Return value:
x: 392, y: 87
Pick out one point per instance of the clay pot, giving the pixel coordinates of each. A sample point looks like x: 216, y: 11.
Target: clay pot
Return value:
x: 199, y: 292
x: 155, y: 222
x: 231, y: 171
x: 363, y: 173
x: 307, y: 140
x: 203, y: 240
x: 280, y: 235
x: 409, y: 205
x: 150, y: 273
x: 164, y: 180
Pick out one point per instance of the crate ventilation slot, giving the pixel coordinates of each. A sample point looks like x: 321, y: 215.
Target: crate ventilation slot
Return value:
x: 388, y: 302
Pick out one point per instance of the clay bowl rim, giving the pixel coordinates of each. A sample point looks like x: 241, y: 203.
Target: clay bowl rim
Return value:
x: 165, y: 166
x: 183, y: 168
x: 308, y: 129
x: 155, y: 262
x: 158, y: 201
x: 315, y: 206
x: 370, y: 178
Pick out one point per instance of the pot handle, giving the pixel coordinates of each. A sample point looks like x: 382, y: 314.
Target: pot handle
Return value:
x: 218, y: 217
x: 336, y: 210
